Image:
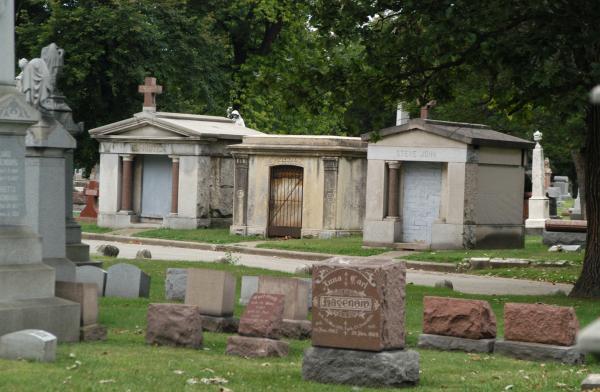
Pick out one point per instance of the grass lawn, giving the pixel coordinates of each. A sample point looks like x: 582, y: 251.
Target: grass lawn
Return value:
x: 124, y: 362
x: 534, y: 250
x: 213, y: 236
x: 349, y: 246
x: 88, y: 227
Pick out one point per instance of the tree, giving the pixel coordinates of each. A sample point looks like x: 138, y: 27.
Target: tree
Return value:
x: 546, y: 54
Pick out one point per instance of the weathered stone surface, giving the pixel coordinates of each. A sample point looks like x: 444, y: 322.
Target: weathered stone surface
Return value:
x: 143, y: 254
x: 176, y: 283
x: 451, y: 343
x: 220, y: 324
x: 463, y: 318
x: 211, y: 290
x: 538, y: 323
x: 93, y: 333
x: 396, y: 368
x: 563, y: 238
x: 476, y: 263
x: 174, y: 325
x: 250, y: 347
x: 296, y: 329
x: 294, y: 290
x: 127, y: 281
x: 263, y: 316
x: 539, y: 352
x: 509, y: 263
x: 588, y: 340
x: 89, y: 274
x: 359, y: 304
x: 108, y: 250
x: 85, y: 294
x: 31, y: 344
x: 249, y: 287
x: 591, y: 382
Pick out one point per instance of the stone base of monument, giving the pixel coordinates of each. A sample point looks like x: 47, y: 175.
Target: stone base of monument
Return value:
x: 79, y: 254
x: 563, y: 238
x: 93, y: 333
x: 296, y: 329
x: 65, y: 268
x: 220, y: 324
x: 451, y: 343
x: 394, y: 368
x: 540, y: 352
x: 246, y: 346
x: 55, y: 315
x: 591, y: 382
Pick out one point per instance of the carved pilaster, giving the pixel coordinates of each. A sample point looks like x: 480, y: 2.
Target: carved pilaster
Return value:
x: 240, y: 206
x: 330, y: 166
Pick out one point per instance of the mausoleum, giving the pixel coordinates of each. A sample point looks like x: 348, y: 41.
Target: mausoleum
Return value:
x: 299, y: 186
x: 169, y: 168
x: 445, y: 185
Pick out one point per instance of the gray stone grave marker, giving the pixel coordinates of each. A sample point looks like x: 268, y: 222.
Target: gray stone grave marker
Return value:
x: 31, y: 344
x: 127, y: 281
x: 90, y: 274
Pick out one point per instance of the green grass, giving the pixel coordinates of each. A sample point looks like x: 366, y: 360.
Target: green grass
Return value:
x: 349, y: 246
x: 124, y: 362
x: 213, y: 236
x: 547, y: 274
x: 534, y: 249
x: 87, y: 227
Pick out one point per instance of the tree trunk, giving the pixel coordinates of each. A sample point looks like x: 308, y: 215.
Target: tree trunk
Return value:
x: 588, y: 284
x: 579, y: 161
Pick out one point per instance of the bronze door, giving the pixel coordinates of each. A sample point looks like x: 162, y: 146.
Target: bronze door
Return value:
x: 285, y: 201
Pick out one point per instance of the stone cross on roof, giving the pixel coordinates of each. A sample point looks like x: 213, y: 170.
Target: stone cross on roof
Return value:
x: 150, y: 90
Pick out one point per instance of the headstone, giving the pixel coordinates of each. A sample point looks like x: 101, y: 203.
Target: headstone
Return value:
x: 174, y: 325
x: 85, y: 294
x: 175, y: 283
x: 458, y: 324
x: 263, y: 316
x: 249, y: 287
x: 588, y: 340
x: 27, y: 298
x: 260, y: 328
x: 358, y: 325
x: 295, y: 291
x: 591, y: 383
x: 91, y: 196
x: 576, y: 210
x: 212, y: 291
x: 89, y: 274
x: 127, y: 281
x: 30, y: 344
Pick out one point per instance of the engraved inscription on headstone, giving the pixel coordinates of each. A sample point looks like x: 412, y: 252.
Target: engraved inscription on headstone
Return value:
x: 347, y: 304
x: 11, y: 182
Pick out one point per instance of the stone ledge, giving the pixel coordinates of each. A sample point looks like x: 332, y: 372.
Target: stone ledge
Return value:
x: 539, y: 352
x: 362, y: 368
x: 451, y: 343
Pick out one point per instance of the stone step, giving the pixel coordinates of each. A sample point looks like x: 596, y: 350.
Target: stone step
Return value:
x: 26, y: 281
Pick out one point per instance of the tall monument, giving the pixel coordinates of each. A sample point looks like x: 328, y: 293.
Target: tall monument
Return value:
x: 538, y: 202
x: 26, y: 284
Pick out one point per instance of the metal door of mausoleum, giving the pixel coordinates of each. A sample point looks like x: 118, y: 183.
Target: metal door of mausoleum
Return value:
x: 285, y: 201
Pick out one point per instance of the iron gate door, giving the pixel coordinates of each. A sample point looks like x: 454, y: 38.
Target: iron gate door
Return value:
x: 285, y: 201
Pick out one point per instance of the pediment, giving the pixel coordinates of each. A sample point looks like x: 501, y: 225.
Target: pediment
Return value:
x: 140, y: 129
x: 420, y: 138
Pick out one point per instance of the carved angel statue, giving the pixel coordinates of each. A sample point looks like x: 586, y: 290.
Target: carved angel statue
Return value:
x: 35, y: 82
x: 235, y: 115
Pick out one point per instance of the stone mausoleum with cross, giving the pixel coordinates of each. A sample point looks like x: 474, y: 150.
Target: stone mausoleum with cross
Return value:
x: 167, y: 168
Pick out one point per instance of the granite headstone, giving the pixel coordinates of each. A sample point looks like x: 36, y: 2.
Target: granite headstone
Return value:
x: 127, y: 281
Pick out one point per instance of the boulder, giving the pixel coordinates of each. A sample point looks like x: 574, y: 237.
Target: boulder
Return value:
x: 143, y: 254
x: 463, y: 318
x: 108, y: 250
x: 174, y: 325
x: 538, y: 323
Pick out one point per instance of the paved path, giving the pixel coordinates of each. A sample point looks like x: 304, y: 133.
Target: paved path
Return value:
x: 462, y: 282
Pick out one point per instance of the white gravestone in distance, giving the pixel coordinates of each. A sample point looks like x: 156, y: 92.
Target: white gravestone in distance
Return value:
x: 249, y: 287
x: 90, y: 274
x: 176, y: 283
x: 539, y: 209
x: 31, y: 344
x: 127, y: 281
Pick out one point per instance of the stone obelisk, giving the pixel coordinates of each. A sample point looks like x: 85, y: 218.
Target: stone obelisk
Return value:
x: 539, y: 210
x: 26, y: 284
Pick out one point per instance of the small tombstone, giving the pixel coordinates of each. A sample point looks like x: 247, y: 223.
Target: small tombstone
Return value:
x: 90, y: 274
x: 108, y: 250
x: 211, y: 290
x: 127, y: 281
x: 143, y: 254
x: 174, y: 325
x: 295, y: 291
x: 30, y: 344
x: 91, y: 195
x: 588, y: 340
x: 86, y: 294
x: 249, y: 287
x: 176, y: 283
x: 591, y: 383
x: 444, y: 284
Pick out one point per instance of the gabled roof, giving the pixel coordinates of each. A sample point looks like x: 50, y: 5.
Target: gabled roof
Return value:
x: 475, y: 134
x: 176, y: 126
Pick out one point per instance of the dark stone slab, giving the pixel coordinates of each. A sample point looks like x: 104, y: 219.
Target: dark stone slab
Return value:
x: 451, y: 343
x: 539, y: 352
x: 220, y: 324
x: 563, y: 238
x: 296, y: 329
x: 395, y: 368
x: 250, y: 347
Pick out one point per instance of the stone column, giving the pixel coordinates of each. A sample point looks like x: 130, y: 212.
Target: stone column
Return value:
x: 538, y: 202
x: 174, y: 184
x: 330, y: 166
x: 393, y: 189
x: 126, y: 182
x: 240, y: 205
